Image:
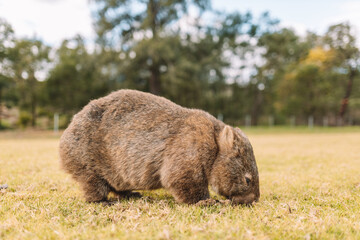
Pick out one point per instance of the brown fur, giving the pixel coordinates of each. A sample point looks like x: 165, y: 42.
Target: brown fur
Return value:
x: 130, y: 140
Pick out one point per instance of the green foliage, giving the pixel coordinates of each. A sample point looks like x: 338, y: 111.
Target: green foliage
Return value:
x: 6, y: 40
x: 24, y: 119
x: 28, y: 59
x: 118, y: 21
x: 141, y: 32
x: 75, y: 79
x: 309, y: 76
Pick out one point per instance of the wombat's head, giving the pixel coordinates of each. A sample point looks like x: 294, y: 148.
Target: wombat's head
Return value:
x: 234, y: 173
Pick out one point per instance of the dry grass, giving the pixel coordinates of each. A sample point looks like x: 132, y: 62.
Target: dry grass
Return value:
x: 310, y: 185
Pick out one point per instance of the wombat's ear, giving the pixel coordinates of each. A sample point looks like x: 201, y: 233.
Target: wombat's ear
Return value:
x: 226, y: 138
x: 242, y: 134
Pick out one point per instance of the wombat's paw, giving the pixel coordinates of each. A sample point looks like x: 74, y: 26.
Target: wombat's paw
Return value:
x: 225, y: 202
x: 134, y: 195
x: 207, y: 202
x: 128, y: 195
x: 211, y: 202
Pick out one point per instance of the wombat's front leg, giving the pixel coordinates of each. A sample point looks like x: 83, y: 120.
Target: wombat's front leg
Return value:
x: 186, y: 189
x: 190, y: 194
x: 188, y: 184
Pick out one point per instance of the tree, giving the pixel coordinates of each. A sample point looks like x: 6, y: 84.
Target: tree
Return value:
x: 29, y: 58
x: 307, y: 91
x: 283, y: 50
x: 6, y: 42
x: 309, y: 87
x: 119, y: 25
x: 341, y: 38
x: 190, y: 65
x: 75, y: 79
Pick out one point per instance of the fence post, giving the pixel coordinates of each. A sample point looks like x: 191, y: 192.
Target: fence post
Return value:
x: 271, y: 121
x: 311, y: 121
x: 325, y: 122
x: 220, y: 117
x: 292, y: 121
x: 56, y: 122
x: 247, y: 121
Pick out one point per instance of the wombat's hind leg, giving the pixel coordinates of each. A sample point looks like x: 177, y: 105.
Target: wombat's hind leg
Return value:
x: 96, y: 189
x: 127, y: 194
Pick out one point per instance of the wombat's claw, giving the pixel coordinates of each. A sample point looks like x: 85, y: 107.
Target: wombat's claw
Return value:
x: 108, y: 203
x: 207, y: 202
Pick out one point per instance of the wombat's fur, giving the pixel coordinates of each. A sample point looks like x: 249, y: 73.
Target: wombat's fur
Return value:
x: 130, y: 140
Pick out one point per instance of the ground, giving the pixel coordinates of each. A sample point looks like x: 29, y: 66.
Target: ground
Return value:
x: 310, y: 189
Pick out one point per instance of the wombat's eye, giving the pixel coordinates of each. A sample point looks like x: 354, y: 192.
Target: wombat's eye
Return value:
x: 248, y: 180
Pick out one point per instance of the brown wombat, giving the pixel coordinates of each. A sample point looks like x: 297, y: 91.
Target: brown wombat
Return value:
x: 130, y: 140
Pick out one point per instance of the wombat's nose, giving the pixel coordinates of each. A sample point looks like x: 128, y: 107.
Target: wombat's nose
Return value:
x: 247, y: 199
x: 257, y: 197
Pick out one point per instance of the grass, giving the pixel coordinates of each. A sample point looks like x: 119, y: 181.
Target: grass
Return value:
x: 310, y: 186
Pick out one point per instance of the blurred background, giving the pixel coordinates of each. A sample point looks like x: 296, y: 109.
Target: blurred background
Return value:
x: 246, y: 62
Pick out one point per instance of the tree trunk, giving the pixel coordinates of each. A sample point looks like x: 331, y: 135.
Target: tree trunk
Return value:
x: 154, y: 81
x: 153, y: 12
x: 33, y: 99
x: 33, y: 110
x: 345, y: 100
x: 256, y: 107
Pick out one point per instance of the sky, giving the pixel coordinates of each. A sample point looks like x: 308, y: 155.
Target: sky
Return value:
x: 302, y: 15
x: 54, y: 20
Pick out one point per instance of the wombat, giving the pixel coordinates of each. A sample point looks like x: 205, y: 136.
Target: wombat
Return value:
x: 131, y: 140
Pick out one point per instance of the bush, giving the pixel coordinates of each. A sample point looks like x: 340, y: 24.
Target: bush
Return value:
x: 24, y: 119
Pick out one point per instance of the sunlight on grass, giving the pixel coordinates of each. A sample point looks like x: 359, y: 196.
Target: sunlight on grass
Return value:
x: 310, y: 189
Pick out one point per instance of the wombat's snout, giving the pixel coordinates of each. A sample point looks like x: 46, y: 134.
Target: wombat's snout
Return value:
x: 247, y: 199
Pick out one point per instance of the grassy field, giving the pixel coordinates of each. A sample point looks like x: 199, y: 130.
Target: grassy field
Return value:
x: 310, y: 189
